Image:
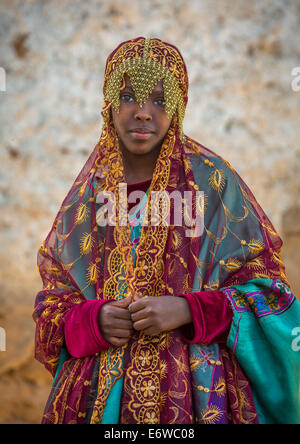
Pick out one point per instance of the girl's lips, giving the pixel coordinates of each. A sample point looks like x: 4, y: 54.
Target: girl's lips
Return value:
x: 141, y: 136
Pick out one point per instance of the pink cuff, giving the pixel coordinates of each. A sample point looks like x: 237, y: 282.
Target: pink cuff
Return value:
x: 212, y: 317
x: 82, y: 333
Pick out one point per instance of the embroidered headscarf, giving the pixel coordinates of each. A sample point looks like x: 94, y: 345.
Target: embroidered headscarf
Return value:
x: 147, y: 61
x: 82, y: 258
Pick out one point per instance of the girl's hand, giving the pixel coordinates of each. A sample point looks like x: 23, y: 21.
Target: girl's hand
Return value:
x: 115, y: 322
x: 154, y: 315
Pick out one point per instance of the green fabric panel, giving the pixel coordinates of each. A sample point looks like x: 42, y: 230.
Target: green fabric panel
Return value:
x: 263, y: 347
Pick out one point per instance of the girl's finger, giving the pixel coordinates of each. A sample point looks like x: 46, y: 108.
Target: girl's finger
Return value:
x: 118, y: 342
x: 137, y: 305
x: 123, y: 302
x: 121, y: 333
x: 142, y: 324
x: 138, y: 315
x: 123, y: 324
x: 120, y: 313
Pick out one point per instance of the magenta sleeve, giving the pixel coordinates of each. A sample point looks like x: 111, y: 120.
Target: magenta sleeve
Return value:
x: 212, y: 317
x: 82, y: 332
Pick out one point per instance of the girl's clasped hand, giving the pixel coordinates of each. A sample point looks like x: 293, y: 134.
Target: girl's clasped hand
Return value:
x: 151, y: 314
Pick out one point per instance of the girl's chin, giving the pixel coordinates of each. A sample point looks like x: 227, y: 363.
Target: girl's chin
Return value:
x: 140, y: 149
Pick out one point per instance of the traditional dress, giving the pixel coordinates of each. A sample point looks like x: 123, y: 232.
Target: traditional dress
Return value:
x: 235, y: 362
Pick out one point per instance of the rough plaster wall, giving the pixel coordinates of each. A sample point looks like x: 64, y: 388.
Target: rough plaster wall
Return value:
x: 239, y: 57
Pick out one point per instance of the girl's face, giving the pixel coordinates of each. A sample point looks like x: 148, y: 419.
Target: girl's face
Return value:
x: 141, y: 130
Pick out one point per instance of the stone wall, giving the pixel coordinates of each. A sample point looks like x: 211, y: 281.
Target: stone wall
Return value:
x: 239, y: 55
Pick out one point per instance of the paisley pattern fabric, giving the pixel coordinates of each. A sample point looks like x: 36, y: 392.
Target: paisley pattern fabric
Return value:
x: 90, y: 254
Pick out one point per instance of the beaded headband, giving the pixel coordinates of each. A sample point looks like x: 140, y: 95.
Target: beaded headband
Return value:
x: 147, y: 61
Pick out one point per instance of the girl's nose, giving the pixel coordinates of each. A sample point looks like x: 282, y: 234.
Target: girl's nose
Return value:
x: 143, y: 113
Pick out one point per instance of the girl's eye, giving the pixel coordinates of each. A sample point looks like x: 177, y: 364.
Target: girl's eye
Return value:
x: 160, y: 101
x: 127, y: 98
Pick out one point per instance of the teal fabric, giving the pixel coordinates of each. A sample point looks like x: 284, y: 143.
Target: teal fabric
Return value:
x: 112, y: 407
x: 262, y: 343
x: 113, y: 403
x: 63, y: 357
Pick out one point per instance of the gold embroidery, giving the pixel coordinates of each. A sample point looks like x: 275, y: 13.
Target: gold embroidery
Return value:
x: 92, y: 274
x: 81, y: 214
x: 233, y: 264
x: 145, y: 371
x: 211, y: 414
x: 256, y: 246
x: 110, y: 371
x: 86, y: 243
x: 217, y: 180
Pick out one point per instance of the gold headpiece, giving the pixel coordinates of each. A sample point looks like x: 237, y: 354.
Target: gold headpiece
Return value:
x: 147, y: 61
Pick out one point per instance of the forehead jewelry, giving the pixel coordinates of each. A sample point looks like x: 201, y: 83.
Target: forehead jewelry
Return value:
x: 144, y: 73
